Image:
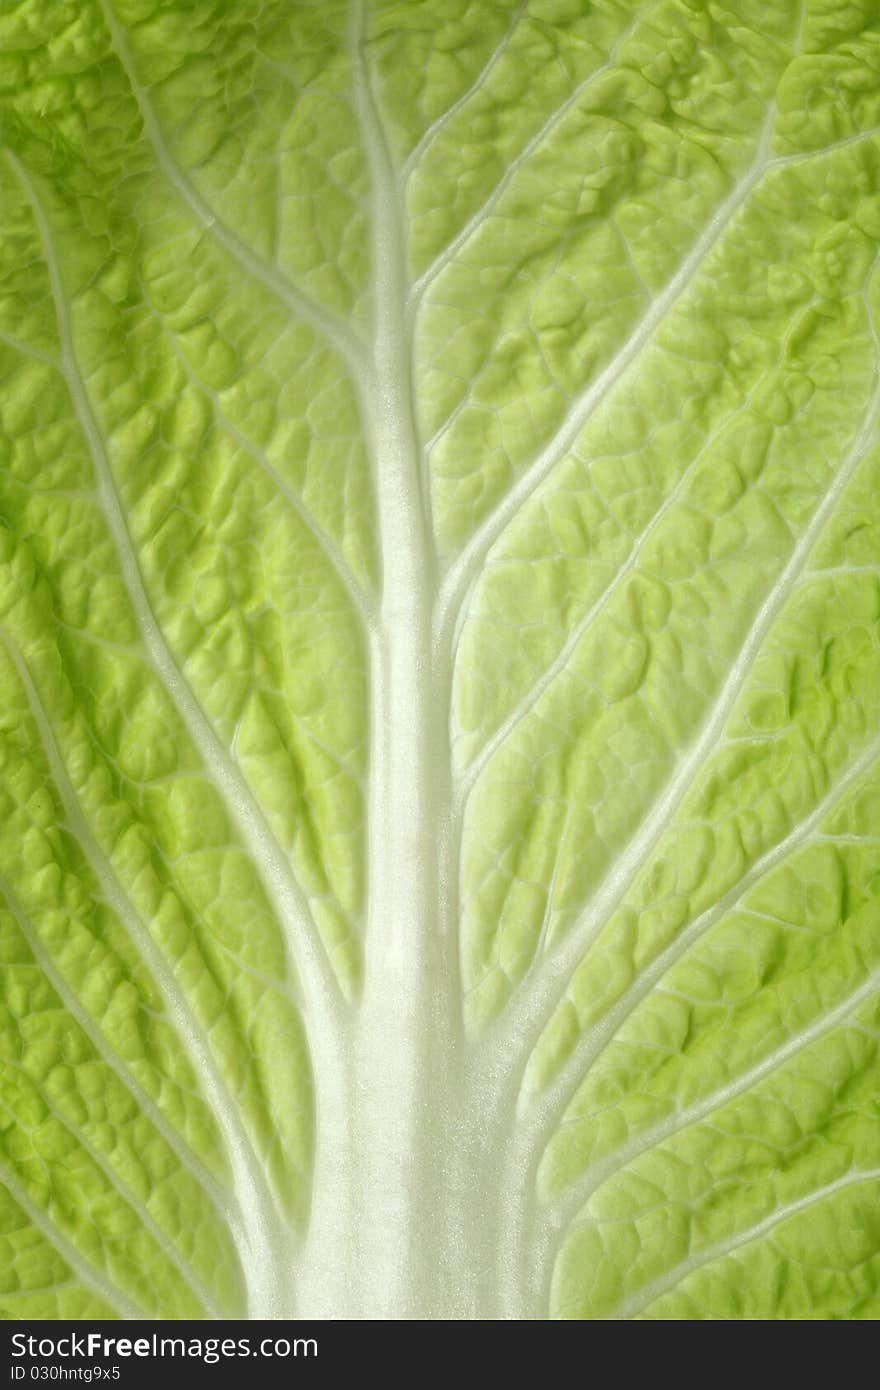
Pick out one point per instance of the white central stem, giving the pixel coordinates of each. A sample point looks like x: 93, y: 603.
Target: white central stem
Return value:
x: 402, y: 933
x: 375, y: 1215
x: 403, y: 1201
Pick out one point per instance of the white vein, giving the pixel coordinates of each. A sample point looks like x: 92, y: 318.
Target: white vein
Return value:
x: 818, y: 576
x: 26, y: 350
x: 255, y: 266
x: 139, y: 1209
x: 465, y: 568
x: 360, y: 600
x: 578, y: 1192
x: 86, y: 1273
x: 429, y: 135
x: 144, y: 1102
x: 630, y: 1307
x: 273, y: 865
x: 785, y: 161
x: 484, y: 212
x: 546, y: 995
x: 581, y: 627
x: 249, y: 1181
x: 539, y: 1112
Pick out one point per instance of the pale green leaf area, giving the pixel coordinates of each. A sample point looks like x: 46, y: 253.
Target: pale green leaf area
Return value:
x: 440, y: 659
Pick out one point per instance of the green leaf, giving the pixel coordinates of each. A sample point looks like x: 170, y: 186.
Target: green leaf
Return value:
x: 439, y: 659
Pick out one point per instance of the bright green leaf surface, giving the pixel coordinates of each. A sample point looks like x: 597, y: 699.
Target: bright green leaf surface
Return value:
x: 440, y: 659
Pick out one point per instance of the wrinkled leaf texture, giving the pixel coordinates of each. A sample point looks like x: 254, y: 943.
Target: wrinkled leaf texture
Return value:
x: 635, y: 250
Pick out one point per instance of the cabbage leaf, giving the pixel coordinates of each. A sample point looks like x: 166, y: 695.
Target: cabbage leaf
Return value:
x: 440, y: 659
